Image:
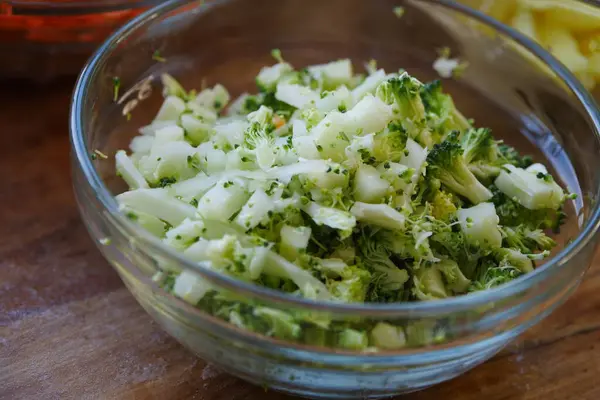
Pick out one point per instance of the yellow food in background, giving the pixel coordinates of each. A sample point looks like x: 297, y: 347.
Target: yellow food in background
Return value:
x: 569, y: 29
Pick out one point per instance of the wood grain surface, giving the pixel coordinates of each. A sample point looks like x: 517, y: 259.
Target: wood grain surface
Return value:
x: 70, y: 330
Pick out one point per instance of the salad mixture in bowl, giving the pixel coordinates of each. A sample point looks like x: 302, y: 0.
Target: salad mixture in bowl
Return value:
x: 336, y: 186
x: 329, y: 229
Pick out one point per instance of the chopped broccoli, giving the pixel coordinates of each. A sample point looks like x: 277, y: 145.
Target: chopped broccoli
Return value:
x: 402, y: 93
x: 441, y: 112
x: 333, y: 187
x: 446, y: 163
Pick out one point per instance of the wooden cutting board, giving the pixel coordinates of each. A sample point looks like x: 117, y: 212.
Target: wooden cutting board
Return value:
x: 70, y: 330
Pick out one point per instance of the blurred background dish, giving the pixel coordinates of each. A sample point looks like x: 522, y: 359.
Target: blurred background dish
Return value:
x: 42, y: 40
x: 569, y: 29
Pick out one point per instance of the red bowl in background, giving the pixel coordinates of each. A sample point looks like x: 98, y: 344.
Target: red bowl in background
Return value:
x: 43, y: 40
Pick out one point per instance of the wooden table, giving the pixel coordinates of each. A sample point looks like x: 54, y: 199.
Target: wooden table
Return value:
x: 70, y: 330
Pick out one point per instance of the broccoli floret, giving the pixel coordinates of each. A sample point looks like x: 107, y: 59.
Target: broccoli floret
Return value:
x: 354, y: 285
x: 442, y: 115
x: 390, y: 144
x: 428, y: 283
x: 403, y: 94
x: 490, y: 274
x: 454, y: 246
x: 377, y: 257
x: 526, y: 240
x: 509, y: 155
x: 512, y: 213
x: 446, y: 163
x: 444, y: 205
x: 455, y: 280
x: 516, y: 259
x: 478, y: 144
x: 488, y: 162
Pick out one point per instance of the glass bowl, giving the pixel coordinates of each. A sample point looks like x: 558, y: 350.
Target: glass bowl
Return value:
x: 512, y: 85
x: 42, y: 40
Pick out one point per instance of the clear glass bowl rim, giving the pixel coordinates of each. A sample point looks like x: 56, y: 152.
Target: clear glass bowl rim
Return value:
x: 413, y: 309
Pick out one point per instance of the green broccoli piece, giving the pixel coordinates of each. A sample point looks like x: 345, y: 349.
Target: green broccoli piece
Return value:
x: 454, y: 278
x: 512, y: 213
x: 454, y: 246
x: 446, y: 163
x: 444, y: 205
x: 508, y: 155
x: 428, y: 283
x: 403, y: 94
x: 390, y: 144
x: 354, y: 285
x: 267, y: 99
x: 387, y: 276
x: 441, y: 112
x: 526, y: 240
x: 353, y: 339
x: 478, y: 144
x: 490, y: 274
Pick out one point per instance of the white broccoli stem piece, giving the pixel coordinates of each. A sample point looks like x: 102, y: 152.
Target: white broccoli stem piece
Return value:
x: 328, y: 138
x: 537, y: 168
x: 215, y: 98
x: 222, y: 201
x: 339, y: 99
x: 305, y: 147
x: 294, y: 240
x: 210, y: 159
x: 268, y: 77
x: 296, y: 95
x: 310, y: 286
x: 149, y: 222
x: 141, y: 144
x: 159, y: 203
x: 414, y: 157
x: 217, y: 251
x: 379, y: 215
x: 168, y: 160
x: 396, y: 174
x: 190, y: 287
x: 255, y: 211
x: 170, y: 133
x: 204, y: 114
x: 299, y: 128
x: 369, y: 115
x: 324, y: 174
x: 480, y: 225
x: 150, y: 130
x: 181, y: 236
x: 333, y: 267
x: 530, y: 190
x: 445, y: 67
x: 196, y: 130
x: 171, y: 109
x: 429, y: 284
x: 331, y: 217
x: 369, y: 187
x: 334, y: 73
x: 369, y: 85
x: 386, y: 336
x: 360, y: 147
x: 129, y: 172
x: 194, y: 187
